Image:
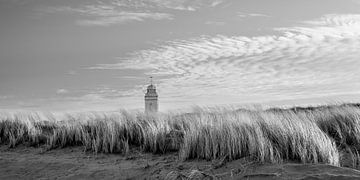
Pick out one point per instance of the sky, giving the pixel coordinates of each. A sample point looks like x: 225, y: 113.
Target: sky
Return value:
x: 99, y: 54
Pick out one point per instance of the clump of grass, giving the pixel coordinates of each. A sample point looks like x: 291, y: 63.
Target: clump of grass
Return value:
x: 306, y: 135
x: 116, y: 132
x: 263, y: 136
x: 98, y: 132
x: 296, y: 138
x: 342, y: 124
x: 21, y: 128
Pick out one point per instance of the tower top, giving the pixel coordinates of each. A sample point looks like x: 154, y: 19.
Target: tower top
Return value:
x: 151, y: 86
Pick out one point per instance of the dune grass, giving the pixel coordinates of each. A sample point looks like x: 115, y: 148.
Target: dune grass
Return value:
x: 305, y: 135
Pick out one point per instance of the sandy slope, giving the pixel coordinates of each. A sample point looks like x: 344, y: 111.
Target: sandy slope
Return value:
x: 72, y: 163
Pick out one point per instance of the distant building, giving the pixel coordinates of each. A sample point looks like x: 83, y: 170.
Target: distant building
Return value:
x: 151, y: 99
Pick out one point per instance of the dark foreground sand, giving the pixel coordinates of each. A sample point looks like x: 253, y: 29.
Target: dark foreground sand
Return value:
x: 72, y: 163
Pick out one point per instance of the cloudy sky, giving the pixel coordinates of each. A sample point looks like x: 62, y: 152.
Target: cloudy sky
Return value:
x: 98, y: 54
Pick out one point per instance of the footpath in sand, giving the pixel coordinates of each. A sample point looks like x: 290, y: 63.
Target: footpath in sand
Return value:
x: 72, y: 163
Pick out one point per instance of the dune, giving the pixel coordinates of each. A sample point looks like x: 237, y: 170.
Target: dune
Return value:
x: 73, y: 163
x: 298, y: 143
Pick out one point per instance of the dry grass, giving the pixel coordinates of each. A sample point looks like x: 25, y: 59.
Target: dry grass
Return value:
x: 306, y: 135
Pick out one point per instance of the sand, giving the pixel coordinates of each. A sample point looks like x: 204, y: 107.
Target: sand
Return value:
x: 73, y: 163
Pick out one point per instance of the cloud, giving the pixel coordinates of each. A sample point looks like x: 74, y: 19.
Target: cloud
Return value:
x: 107, y: 92
x: 106, y: 15
x: 62, y: 91
x: 314, y: 59
x: 129, y: 77
x: 99, y: 99
x: 5, y: 97
x: 181, y: 5
x: 123, y: 18
x: 216, y: 3
x: 215, y: 23
x: 244, y: 15
x: 71, y: 72
x: 86, y: 102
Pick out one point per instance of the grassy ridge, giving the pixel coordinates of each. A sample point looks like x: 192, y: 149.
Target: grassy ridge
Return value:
x: 307, y: 135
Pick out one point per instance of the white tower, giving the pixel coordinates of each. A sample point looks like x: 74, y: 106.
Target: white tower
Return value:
x: 151, y: 99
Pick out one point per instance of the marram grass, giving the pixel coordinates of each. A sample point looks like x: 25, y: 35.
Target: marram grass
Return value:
x: 306, y: 135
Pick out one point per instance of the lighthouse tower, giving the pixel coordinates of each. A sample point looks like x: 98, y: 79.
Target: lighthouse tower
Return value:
x: 151, y: 99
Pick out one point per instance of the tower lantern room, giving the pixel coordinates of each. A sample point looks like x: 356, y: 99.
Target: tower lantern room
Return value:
x: 151, y: 98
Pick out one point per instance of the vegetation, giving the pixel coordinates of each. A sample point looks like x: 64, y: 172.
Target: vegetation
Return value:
x: 306, y: 135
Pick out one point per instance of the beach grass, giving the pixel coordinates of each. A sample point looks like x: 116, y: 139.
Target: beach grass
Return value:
x: 305, y: 135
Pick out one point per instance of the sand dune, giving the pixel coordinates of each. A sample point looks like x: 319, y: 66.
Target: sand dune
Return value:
x: 73, y: 163
x: 297, y: 143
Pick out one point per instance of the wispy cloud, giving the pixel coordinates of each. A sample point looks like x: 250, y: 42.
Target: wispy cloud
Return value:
x: 216, y: 3
x: 5, y: 97
x: 105, y: 15
x: 71, y: 73
x: 107, y: 92
x: 124, y: 17
x: 182, y: 5
x: 62, y: 91
x: 315, y: 58
x: 216, y: 23
x: 244, y: 15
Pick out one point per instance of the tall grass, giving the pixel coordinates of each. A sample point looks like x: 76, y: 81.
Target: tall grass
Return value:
x: 264, y: 136
x: 306, y: 135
